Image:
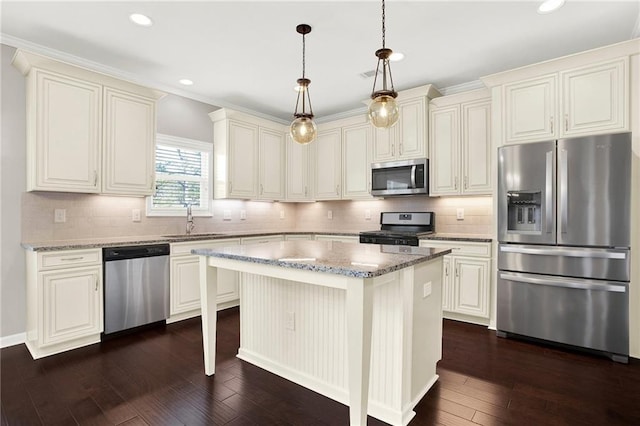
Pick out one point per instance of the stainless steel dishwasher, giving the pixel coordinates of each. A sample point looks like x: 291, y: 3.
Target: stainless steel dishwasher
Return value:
x: 136, y: 286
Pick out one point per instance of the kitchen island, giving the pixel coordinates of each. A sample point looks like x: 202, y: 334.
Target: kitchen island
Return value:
x: 358, y: 323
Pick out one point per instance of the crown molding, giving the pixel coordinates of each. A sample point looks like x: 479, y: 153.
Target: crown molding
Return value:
x: 463, y: 87
x: 19, y: 43
x: 636, y: 28
x: 342, y: 115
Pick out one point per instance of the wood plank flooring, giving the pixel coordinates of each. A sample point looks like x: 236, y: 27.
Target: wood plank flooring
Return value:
x: 155, y: 377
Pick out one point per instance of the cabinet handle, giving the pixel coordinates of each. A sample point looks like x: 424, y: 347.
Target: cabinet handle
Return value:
x: 96, y: 282
x: 400, y: 149
x: 566, y: 122
x: 393, y: 151
x: 551, y: 124
x: 305, y: 190
x: 230, y: 187
x: 95, y: 178
x: 457, y: 272
x: 446, y: 270
x: 337, y: 189
x: 67, y: 259
x: 152, y: 181
x: 466, y: 182
x: 455, y: 183
x: 261, y: 189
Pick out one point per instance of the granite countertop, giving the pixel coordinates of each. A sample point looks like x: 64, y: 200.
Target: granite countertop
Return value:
x: 353, y: 260
x: 100, y: 242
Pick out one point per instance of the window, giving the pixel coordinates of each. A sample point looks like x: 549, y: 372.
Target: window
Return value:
x: 183, y: 177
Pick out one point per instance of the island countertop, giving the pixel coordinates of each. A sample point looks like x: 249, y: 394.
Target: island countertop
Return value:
x: 354, y: 260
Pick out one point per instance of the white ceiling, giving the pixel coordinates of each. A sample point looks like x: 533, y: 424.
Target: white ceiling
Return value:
x: 248, y: 54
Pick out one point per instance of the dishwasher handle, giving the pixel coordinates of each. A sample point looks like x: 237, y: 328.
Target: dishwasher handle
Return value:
x: 134, y: 252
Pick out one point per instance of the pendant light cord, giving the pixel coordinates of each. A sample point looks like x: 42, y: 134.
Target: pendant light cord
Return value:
x: 303, y: 54
x: 383, y: 29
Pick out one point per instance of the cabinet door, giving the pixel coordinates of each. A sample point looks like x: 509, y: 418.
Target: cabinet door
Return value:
x: 530, y: 110
x: 384, y: 144
x: 272, y: 157
x: 243, y: 160
x: 356, y: 158
x: 445, y: 159
x: 297, y: 171
x: 447, y: 287
x: 129, y: 143
x: 411, y: 129
x: 476, y: 148
x: 185, y: 285
x: 71, y: 304
x: 65, y: 134
x: 595, y: 99
x: 471, y: 286
x: 327, y: 165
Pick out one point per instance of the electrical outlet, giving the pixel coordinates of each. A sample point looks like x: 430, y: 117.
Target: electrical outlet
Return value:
x: 243, y: 215
x: 226, y: 215
x: 367, y: 214
x: 426, y: 290
x: 60, y: 215
x: 135, y: 215
x: 329, y: 214
x: 290, y: 321
x: 281, y: 214
x: 460, y: 214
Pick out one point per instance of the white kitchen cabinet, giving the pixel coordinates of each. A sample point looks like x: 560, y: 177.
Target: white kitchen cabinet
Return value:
x: 128, y: 157
x: 580, y: 101
x: 407, y: 139
x: 184, y: 296
x: 271, y: 155
x: 298, y: 171
x: 64, y: 300
x: 87, y: 132
x: 356, y: 160
x: 327, y: 165
x: 466, y: 280
x: 248, y: 157
x: 460, y: 144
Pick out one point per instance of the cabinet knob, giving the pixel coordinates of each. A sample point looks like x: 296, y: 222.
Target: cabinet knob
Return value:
x: 551, y: 124
x: 566, y: 122
x: 95, y: 178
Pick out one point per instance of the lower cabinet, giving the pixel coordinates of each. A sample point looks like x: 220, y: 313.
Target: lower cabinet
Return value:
x: 185, y: 280
x: 466, y: 280
x: 338, y: 238
x: 64, y: 300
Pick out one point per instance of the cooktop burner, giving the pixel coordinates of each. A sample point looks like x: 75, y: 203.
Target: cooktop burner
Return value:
x: 401, y: 228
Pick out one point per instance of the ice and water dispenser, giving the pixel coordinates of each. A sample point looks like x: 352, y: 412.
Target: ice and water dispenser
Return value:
x: 524, y: 211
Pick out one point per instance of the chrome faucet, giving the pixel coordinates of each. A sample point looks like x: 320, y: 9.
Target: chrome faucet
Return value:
x: 190, y: 224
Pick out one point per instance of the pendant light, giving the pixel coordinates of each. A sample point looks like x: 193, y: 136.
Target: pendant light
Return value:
x: 303, y: 129
x: 383, y: 110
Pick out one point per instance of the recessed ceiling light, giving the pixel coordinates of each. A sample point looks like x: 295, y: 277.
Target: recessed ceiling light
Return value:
x: 549, y: 6
x: 140, y: 19
x: 396, y: 56
x: 186, y: 82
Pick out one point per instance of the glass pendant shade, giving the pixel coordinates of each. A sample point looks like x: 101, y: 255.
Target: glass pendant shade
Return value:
x: 303, y: 130
x: 383, y: 111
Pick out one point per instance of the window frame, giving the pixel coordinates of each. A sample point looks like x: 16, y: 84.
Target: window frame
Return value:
x: 190, y: 144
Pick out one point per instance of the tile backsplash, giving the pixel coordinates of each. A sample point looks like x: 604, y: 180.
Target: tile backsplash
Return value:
x: 90, y: 216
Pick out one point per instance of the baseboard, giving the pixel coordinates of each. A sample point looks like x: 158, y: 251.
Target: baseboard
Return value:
x: 15, y: 339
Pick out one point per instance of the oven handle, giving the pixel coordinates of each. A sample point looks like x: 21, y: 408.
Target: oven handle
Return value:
x: 564, y: 252
x: 413, y: 176
x: 581, y: 284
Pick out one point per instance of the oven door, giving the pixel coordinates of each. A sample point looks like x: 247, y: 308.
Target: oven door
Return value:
x: 580, y: 312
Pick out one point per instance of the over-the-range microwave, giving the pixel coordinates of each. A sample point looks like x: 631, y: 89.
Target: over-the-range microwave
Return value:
x: 405, y: 177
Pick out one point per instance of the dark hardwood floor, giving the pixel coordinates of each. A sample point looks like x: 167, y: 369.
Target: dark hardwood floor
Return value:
x: 155, y: 377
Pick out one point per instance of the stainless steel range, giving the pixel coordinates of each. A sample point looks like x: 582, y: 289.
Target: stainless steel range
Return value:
x: 401, y: 228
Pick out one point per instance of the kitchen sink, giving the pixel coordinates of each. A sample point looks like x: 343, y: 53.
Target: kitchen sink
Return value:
x: 200, y: 235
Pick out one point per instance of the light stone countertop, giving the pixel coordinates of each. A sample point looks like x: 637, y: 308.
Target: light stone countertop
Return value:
x: 99, y: 242
x: 353, y: 260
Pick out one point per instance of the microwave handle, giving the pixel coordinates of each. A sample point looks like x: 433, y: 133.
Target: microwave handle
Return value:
x: 413, y: 176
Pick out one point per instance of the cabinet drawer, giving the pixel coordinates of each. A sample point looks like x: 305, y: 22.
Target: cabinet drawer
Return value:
x: 265, y: 239
x: 185, y: 248
x: 461, y: 248
x: 339, y: 238
x: 62, y: 259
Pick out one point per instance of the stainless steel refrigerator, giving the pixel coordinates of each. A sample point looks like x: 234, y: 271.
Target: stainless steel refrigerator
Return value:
x: 564, y: 233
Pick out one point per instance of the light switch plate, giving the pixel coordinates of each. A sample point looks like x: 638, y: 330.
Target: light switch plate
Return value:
x: 330, y: 214
x: 281, y: 214
x: 460, y: 214
x: 135, y: 215
x: 243, y: 215
x: 367, y: 214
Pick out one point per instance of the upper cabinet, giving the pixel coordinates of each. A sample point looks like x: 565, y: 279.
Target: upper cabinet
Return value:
x: 407, y: 139
x: 298, y: 171
x: 327, y: 164
x: 578, y: 95
x: 249, y: 155
x: 356, y: 160
x: 460, y: 144
x: 87, y: 132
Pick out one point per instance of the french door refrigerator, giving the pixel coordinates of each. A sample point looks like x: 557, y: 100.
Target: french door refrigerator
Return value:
x: 564, y: 236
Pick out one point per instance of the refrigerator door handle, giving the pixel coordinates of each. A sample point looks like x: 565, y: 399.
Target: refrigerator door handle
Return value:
x: 564, y: 186
x: 547, y: 192
x: 581, y: 284
x: 604, y: 254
